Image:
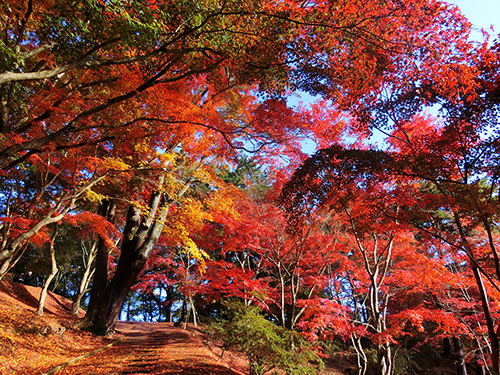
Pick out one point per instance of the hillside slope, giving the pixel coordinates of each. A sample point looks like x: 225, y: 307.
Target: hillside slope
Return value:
x: 30, y: 344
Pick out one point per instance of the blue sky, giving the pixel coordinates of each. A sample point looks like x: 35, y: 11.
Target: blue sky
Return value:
x: 481, y: 13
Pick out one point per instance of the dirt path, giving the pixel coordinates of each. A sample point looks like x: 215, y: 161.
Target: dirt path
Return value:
x: 154, y: 349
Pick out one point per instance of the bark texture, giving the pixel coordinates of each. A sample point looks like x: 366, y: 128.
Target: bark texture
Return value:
x: 140, y: 236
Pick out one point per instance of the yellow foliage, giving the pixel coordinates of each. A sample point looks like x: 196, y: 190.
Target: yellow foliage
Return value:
x: 105, y: 164
x: 115, y: 164
x: 190, y: 248
x: 189, y: 215
x: 143, y: 147
x: 188, y: 219
x: 93, y: 196
x: 166, y: 158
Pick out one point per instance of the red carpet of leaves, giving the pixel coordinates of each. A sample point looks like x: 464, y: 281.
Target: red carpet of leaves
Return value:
x: 154, y: 348
x: 30, y: 344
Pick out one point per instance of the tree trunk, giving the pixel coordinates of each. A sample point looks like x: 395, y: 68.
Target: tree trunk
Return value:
x: 107, y: 209
x: 169, y: 301
x: 188, y: 314
x: 361, y: 357
x: 8, y: 263
x: 485, y: 304
x: 139, y: 239
x: 53, y: 272
x: 447, y: 347
x: 84, y: 283
x: 129, y: 305
x: 459, y: 356
x: 190, y: 309
x: 194, y: 312
x: 112, y: 300
x: 4, y: 268
x: 492, y: 335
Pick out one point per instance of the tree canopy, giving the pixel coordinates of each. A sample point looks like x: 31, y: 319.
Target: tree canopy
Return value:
x: 156, y: 139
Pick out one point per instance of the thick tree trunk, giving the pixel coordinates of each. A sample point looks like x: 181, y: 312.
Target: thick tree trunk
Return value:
x: 4, y: 267
x: 8, y: 263
x: 53, y: 272
x: 447, y: 347
x: 459, y: 356
x: 139, y: 239
x: 108, y: 311
x: 107, y: 209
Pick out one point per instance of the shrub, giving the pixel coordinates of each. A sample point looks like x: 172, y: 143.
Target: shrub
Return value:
x: 265, y: 345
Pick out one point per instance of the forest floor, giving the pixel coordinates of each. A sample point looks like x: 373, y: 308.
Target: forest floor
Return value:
x: 32, y: 344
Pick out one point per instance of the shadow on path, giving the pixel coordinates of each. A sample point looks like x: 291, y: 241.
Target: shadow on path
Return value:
x: 154, y: 349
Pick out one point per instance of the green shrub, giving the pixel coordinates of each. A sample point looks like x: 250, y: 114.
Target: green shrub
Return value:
x: 265, y: 345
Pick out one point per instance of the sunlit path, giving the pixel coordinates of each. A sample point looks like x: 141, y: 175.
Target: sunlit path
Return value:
x: 153, y: 348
